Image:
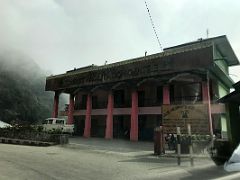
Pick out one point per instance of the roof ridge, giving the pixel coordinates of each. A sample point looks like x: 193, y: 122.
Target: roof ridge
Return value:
x: 200, y: 40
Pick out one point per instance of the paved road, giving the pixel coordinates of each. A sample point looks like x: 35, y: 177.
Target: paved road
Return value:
x: 81, y: 159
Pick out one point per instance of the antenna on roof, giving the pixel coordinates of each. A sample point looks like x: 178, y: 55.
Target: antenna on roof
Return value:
x: 207, y: 31
x: 153, y: 26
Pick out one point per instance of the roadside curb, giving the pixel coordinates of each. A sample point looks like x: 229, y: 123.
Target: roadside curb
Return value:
x: 25, y: 142
x: 185, y: 155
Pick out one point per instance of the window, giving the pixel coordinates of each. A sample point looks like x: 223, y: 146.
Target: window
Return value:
x: 59, y: 121
x: 224, y: 127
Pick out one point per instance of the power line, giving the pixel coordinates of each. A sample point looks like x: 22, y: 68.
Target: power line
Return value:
x: 153, y: 26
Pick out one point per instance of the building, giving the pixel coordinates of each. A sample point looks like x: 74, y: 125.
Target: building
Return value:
x: 232, y: 102
x: 128, y: 99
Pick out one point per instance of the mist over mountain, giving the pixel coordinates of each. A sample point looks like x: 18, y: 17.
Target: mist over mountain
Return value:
x: 22, y: 94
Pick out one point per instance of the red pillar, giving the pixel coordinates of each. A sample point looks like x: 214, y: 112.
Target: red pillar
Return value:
x: 87, y: 129
x: 70, y: 109
x: 166, y: 94
x: 207, y: 100
x: 109, y: 120
x: 55, y: 105
x: 134, y: 117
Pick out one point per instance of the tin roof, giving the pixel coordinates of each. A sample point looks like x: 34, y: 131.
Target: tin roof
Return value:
x: 221, y: 42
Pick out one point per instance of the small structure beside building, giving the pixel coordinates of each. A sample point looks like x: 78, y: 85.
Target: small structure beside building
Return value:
x: 128, y: 99
x: 232, y: 102
x: 224, y: 147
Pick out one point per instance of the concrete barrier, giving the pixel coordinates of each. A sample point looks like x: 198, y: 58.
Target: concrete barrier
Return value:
x: 53, y: 140
x: 25, y: 142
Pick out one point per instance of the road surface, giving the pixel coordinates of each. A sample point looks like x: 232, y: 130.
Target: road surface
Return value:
x: 100, y: 159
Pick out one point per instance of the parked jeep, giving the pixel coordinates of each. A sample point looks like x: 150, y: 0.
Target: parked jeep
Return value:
x: 58, y: 124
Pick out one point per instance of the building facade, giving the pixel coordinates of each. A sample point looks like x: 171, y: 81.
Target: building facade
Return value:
x: 127, y: 99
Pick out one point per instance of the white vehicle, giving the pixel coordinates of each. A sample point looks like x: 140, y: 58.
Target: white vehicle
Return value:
x: 58, y: 123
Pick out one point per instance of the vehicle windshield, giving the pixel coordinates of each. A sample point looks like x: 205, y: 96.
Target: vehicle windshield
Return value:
x: 48, y: 121
x: 59, y: 121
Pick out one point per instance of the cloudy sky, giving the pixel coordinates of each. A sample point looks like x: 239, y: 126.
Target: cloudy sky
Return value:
x: 62, y: 34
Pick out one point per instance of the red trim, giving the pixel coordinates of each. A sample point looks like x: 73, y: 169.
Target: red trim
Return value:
x: 166, y: 94
x: 70, y: 109
x: 87, y: 129
x: 207, y: 100
x: 134, y: 117
x: 109, y: 120
x: 155, y: 110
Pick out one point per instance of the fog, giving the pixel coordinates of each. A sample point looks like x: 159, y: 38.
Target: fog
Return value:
x: 17, y: 63
x: 61, y: 34
x: 23, y: 95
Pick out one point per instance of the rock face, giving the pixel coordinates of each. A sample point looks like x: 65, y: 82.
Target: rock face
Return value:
x: 22, y: 94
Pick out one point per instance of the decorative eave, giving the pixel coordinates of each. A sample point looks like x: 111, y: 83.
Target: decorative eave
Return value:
x: 159, y: 64
x: 134, y: 60
x: 185, y: 57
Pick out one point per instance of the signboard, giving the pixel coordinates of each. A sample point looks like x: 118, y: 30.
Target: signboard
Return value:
x: 198, y: 111
x: 181, y: 115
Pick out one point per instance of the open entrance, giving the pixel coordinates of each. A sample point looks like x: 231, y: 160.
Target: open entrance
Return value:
x: 146, y: 125
x: 121, y: 127
x: 79, y: 122
x: 119, y: 98
x: 98, y: 126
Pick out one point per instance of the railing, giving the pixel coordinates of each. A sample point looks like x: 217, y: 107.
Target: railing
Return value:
x: 215, y: 109
x: 142, y: 103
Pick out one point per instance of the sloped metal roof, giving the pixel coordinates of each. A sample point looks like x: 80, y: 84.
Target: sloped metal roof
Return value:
x: 221, y: 42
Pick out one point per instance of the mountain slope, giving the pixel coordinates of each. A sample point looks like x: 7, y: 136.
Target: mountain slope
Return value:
x: 22, y: 95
